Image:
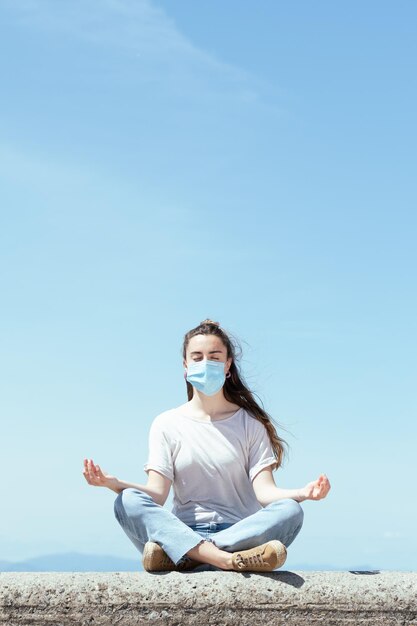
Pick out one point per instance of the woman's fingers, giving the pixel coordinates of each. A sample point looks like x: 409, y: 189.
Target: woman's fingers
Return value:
x: 91, y: 472
x: 318, y: 488
x: 324, y: 487
x: 88, y: 473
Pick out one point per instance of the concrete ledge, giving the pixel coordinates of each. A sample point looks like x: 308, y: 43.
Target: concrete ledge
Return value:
x: 214, y: 598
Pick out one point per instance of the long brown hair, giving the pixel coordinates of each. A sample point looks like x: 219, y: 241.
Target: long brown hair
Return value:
x: 235, y: 390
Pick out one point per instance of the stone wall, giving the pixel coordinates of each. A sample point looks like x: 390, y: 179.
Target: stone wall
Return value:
x: 214, y: 598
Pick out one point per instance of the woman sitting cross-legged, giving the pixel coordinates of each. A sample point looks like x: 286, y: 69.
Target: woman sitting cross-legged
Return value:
x: 218, y: 451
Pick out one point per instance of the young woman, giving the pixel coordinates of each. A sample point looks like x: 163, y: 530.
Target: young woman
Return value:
x: 218, y: 451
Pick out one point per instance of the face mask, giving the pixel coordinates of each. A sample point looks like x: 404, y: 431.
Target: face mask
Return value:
x: 206, y: 376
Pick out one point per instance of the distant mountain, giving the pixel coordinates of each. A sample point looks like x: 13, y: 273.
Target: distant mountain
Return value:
x: 73, y: 562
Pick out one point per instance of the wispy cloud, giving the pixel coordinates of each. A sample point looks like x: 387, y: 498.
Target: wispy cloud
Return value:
x: 146, y: 35
x: 68, y: 184
x: 21, y: 167
x: 392, y: 534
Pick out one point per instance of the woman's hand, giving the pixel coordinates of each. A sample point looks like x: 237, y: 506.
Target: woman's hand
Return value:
x: 317, y: 489
x: 96, y: 477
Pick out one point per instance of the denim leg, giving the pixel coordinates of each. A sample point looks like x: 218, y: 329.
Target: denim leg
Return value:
x: 280, y: 520
x: 144, y: 520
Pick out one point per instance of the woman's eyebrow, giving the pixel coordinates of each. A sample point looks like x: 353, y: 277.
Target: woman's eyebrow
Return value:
x: 211, y: 352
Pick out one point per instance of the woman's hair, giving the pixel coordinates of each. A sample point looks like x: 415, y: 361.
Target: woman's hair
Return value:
x: 234, y: 388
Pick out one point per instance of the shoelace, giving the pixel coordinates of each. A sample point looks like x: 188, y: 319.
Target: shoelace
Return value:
x: 187, y: 563
x: 166, y: 560
x: 242, y: 562
x: 184, y: 563
x: 179, y: 566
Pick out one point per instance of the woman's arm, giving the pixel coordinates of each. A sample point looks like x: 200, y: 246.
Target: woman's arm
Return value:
x: 157, y: 487
x: 266, y: 490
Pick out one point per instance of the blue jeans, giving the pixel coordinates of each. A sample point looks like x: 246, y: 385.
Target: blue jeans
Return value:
x: 144, y: 520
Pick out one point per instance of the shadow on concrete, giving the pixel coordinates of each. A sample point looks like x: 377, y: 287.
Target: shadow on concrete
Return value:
x: 288, y: 578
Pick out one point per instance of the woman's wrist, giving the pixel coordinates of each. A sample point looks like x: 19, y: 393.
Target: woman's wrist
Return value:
x: 115, y: 485
x: 301, y: 495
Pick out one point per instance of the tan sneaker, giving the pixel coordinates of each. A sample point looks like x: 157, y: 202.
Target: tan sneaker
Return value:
x: 155, y: 559
x: 263, y: 558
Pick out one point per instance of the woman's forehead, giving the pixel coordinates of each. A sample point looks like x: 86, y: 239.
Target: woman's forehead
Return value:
x: 205, y: 342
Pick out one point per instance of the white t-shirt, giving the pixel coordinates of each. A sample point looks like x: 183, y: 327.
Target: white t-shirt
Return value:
x: 211, y: 464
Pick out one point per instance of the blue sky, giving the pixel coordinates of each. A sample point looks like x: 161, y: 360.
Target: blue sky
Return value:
x: 161, y: 163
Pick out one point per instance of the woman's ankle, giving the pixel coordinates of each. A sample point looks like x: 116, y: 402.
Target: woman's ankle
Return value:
x: 207, y: 552
x: 226, y: 561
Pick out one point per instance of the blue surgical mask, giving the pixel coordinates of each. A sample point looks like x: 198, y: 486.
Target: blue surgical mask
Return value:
x: 206, y: 376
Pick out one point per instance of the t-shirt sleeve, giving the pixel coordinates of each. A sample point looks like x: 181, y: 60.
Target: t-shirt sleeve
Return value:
x: 159, y: 456
x: 261, y: 453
